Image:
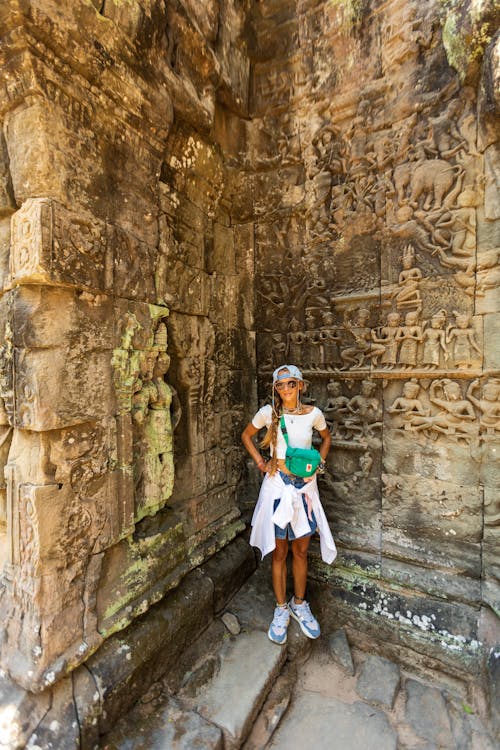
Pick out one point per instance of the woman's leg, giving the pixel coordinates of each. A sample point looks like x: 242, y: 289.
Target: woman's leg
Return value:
x: 278, y: 568
x: 299, y: 566
x: 299, y: 608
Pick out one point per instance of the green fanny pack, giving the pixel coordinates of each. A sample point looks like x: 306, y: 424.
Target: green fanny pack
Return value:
x: 302, y: 462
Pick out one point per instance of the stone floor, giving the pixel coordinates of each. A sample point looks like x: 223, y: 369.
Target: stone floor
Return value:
x: 244, y: 691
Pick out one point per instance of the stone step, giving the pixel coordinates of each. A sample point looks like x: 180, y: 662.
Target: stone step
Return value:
x: 249, y: 666
x: 323, y: 722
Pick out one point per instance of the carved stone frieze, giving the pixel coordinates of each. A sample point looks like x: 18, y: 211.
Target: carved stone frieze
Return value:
x: 388, y: 295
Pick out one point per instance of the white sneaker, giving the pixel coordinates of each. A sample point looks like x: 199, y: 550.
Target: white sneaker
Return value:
x: 302, y: 613
x: 278, y: 629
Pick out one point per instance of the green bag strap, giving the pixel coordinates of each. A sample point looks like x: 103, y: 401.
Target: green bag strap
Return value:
x: 283, y: 429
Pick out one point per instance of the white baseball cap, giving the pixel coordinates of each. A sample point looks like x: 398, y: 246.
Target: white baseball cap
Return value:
x: 287, y: 371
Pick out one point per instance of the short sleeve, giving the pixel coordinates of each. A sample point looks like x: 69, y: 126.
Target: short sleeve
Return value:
x: 319, y: 421
x: 263, y: 417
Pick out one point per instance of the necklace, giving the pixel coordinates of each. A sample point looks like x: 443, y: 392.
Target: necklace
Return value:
x: 296, y: 410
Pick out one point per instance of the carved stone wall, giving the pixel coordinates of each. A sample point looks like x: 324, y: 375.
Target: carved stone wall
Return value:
x: 126, y: 312
x: 371, y: 170
x: 188, y: 189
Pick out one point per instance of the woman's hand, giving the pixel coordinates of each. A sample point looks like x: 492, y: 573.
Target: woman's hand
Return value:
x: 246, y: 437
x: 264, y: 467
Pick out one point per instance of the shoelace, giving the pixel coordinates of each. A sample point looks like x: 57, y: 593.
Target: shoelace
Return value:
x: 281, y: 613
x: 304, y: 611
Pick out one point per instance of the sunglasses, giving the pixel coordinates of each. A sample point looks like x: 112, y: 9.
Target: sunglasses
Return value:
x: 286, y: 384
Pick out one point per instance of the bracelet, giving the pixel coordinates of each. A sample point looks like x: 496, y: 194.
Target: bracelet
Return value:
x: 321, y: 467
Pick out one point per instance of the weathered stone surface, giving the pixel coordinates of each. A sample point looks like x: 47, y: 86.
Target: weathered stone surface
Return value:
x: 254, y: 603
x: 352, y: 725
x: 20, y: 713
x: 273, y: 710
x: 231, y: 622
x: 128, y: 663
x: 229, y: 569
x: 427, y: 713
x: 138, y: 571
x: 340, y: 651
x: 231, y: 703
x: 88, y: 705
x: 378, y: 681
x: 53, y: 245
x: 171, y: 728
x: 59, y: 727
x: 494, y: 688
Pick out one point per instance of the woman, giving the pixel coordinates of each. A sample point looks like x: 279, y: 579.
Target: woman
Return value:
x: 288, y: 508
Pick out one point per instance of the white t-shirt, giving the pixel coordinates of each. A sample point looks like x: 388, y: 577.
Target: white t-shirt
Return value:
x: 299, y: 427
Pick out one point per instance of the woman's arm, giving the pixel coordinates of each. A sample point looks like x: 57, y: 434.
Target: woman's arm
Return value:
x: 326, y: 441
x: 247, y: 439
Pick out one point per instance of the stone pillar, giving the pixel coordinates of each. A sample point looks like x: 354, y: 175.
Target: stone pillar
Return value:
x: 84, y: 341
x: 114, y: 256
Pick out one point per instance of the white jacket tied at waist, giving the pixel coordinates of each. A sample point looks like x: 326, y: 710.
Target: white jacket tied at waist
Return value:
x: 290, y: 510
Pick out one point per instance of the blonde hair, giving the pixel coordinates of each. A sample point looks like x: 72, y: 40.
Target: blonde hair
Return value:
x: 270, y: 439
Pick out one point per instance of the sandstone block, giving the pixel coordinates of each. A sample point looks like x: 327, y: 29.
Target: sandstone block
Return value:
x: 51, y: 244
x: 232, y: 704
x: 228, y: 570
x: 492, y: 341
x: 168, y: 727
x: 4, y: 251
x: 206, y: 509
x: 58, y: 627
x: 36, y: 167
x: 21, y: 714
x: 492, y: 194
x: 459, y: 557
x: 138, y: 571
x: 491, y: 575
x: 450, y: 462
x: 7, y: 203
x: 88, y: 707
x: 222, y: 258
x: 493, y: 674
x: 353, y: 725
x: 59, y: 728
x: 129, y: 662
x: 449, y: 584
x: 491, y: 530
x: 133, y: 276
x: 426, y: 712
x: 426, y: 507
x: 378, y: 681
x: 43, y: 361
x: 339, y: 649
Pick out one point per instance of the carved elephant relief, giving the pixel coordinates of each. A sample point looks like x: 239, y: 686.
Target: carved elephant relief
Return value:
x: 433, y: 180
x: 430, y: 180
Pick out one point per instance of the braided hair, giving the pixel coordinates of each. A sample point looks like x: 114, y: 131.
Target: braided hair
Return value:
x: 270, y: 439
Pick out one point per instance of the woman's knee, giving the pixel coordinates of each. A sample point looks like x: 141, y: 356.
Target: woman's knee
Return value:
x: 300, y: 547
x: 280, y: 552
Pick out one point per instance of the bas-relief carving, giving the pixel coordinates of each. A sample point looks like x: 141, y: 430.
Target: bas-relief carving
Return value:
x: 403, y: 174
x: 85, y: 500
x: 144, y: 400
x: 52, y: 244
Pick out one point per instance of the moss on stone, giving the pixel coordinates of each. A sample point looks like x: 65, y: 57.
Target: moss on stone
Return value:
x: 467, y: 31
